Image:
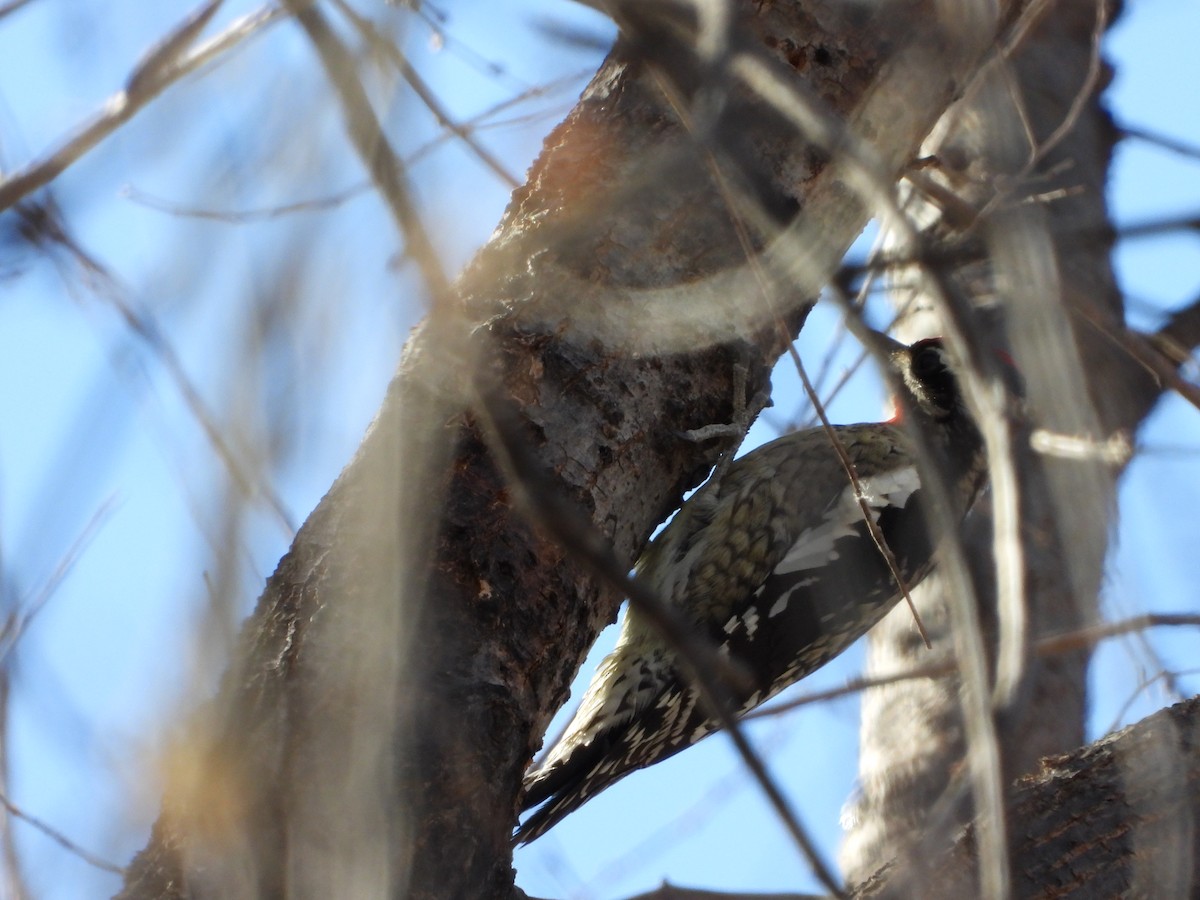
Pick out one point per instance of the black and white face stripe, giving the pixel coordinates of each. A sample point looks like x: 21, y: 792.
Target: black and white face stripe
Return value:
x: 930, y: 380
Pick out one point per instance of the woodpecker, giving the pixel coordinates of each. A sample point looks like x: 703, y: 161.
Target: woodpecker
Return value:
x: 774, y: 563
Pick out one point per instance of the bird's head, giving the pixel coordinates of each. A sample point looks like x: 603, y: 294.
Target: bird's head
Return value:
x: 926, y: 375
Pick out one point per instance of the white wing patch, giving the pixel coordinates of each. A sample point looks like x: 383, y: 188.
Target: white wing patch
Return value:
x: 815, y: 546
x: 781, y: 604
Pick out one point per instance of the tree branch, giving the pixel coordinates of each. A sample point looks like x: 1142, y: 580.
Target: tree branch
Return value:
x: 166, y: 64
x: 1114, y: 819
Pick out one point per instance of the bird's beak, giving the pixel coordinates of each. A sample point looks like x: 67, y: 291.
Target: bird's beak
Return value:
x: 889, y: 344
x: 888, y: 349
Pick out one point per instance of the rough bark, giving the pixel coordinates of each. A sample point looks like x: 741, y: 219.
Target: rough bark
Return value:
x: 1118, y: 818
x: 406, y: 655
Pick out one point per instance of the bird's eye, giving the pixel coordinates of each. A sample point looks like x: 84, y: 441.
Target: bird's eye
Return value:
x: 929, y: 361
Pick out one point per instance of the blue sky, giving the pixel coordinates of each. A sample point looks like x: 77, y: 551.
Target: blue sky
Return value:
x: 97, y: 440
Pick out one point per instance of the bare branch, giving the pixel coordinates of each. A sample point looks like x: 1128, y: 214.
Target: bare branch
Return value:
x: 672, y: 892
x: 144, y: 85
x: 1160, y: 355
x: 59, y: 838
x: 47, y: 226
x: 1167, y: 142
x: 376, y: 153
x: 11, y: 7
x: 16, y: 624
x: 1086, y: 92
x: 392, y: 53
x: 167, y: 53
x: 1050, y: 646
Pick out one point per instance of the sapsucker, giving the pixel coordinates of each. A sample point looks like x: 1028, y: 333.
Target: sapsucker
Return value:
x: 775, y: 564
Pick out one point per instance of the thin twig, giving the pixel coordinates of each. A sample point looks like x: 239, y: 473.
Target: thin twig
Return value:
x: 319, y: 204
x: 1054, y: 645
x: 372, y: 146
x: 465, y: 51
x: 245, y: 216
x: 16, y: 626
x: 1144, y: 351
x: 933, y: 258
x: 59, y: 838
x: 1167, y: 142
x: 835, y: 345
x: 1039, y: 151
x: 15, y: 885
x: 125, y: 104
x: 872, y: 525
x: 656, y: 845
x: 331, y: 201
x: 166, y: 53
x: 145, y: 328
x: 12, y: 6
x: 1145, y: 684
x: 408, y: 72
x: 1085, y: 93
